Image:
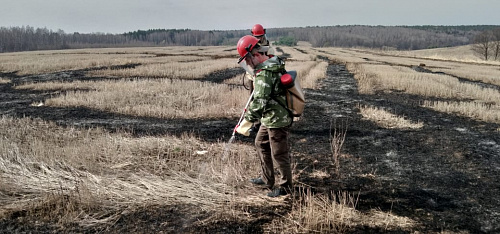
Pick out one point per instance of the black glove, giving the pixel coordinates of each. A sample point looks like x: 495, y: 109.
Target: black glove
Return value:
x: 255, y: 128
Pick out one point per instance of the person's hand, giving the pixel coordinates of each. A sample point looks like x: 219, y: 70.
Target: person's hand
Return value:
x: 255, y: 127
x: 244, y: 128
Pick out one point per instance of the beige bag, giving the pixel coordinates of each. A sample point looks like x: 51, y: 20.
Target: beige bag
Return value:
x: 295, y: 99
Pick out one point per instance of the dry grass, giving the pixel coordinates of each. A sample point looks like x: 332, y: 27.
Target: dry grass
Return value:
x: 385, y: 77
x: 388, y: 71
x: 341, y: 55
x: 334, y: 213
x: 315, y: 74
x: 150, y: 98
x: 237, y: 80
x: 337, y: 139
x: 63, y: 179
x: 474, y: 110
x: 37, y: 62
x: 455, y: 54
x: 185, y: 69
x: 474, y: 72
x: 72, y: 183
x: 456, y: 61
x: 4, y: 80
x: 47, y: 163
x: 303, y: 70
x: 376, y: 77
x: 52, y: 172
x: 309, y: 73
x: 297, y: 54
x: 46, y: 62
x: 386, y: 119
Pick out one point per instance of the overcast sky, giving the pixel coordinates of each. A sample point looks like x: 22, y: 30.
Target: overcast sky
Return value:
x: 119, y: 16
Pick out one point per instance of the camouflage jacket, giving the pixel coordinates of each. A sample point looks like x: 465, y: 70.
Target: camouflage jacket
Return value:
x: 268, y: 91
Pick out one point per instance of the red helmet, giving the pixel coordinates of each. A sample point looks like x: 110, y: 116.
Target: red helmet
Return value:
x: 258, y: 30
x: 245, y: 45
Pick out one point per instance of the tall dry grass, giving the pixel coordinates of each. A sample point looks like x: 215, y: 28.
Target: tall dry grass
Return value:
x: 193, y: 68
x: 162, y: 98
x: 92, y: 186
x: 47, y: 62
x: 37, y: 62
x: 309, y: 72
x: 473, y: 109
x: 382, y: 77
x: 341, y: 55
x: 483, y: 73
x: 334, y: 213
x: 456, y: 61
x: 337, y: 139
x: 67, y: 181
x: 472, y: 69
x: 385, y: 77
x: 54, y: 166
x: 298, y: 54
x: 386, y: 71
x: 61, y: 178
x: 315, y: 74
x: 463, y: 54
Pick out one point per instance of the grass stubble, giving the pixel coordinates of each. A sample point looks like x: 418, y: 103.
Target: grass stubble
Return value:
x: 52, y: 174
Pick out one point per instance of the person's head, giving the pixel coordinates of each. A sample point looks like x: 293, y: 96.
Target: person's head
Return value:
x: 259, y: 32
x: 248, y: 48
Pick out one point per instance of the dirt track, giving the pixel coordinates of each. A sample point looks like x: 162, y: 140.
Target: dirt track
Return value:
x: 445, y: 176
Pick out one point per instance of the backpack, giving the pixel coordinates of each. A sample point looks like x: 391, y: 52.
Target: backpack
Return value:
x: 295, y: 100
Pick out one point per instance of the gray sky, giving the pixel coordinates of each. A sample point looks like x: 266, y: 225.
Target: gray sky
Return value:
x: 118, y: 16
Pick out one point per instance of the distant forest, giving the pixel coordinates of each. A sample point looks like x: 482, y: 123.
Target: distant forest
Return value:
x: 27, y: 38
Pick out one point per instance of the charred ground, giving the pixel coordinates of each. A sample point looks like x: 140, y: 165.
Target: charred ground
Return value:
x: 445, y: 176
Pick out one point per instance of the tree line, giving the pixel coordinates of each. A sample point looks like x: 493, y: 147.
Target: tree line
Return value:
x: 28, y: 38
x: 487, y: 44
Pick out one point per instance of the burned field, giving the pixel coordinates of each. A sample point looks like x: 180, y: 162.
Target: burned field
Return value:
x: 440, y: 176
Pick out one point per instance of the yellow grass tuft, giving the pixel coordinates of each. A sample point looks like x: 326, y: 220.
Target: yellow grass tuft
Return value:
x: 334, y: 214
x: 386, y: 119
x: 4, y: 80
x: 316, y: 73
x: 475, y: 110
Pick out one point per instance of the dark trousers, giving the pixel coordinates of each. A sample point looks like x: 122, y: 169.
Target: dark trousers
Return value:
x: 272, y: 147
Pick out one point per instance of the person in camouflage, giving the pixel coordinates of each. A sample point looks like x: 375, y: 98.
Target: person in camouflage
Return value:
x: 259, y: 32
x: 272, y: 138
